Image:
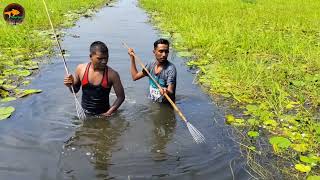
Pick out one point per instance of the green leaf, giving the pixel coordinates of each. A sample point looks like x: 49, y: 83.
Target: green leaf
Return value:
x: 6, y: 112
x: 32, y: 67
x: 280, y: 142
x: 313, y: 178
x: 8, y: 99
x: 308, y: 160
x: 253, y: 134
x: 291, y: 104
x: 239, y: 121
x: 4, y: 93
x: 253, y: 122
x: 26, y: 82
x: 23, y: 73
x: 23, y: 93
x: 16, y: 72
x: 8, y: 87
x: 270, y: 122
x: 300, y: 147
x: 252, y: 108
x: 302, y: 168
x: 230, y: 119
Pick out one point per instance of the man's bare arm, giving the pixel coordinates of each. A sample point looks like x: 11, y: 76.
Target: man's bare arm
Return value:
x: 73, y: 81
x: 133, y: 68
x: 77, y: 81
x: 118, y: 89
x: 169, y: 90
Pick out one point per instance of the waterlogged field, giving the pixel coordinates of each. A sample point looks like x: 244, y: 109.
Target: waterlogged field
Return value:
x: 21, y: 44
x: 266, y: 56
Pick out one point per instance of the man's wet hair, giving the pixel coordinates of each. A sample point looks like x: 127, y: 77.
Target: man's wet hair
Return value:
x: 160, y: 41
x: 98, y: 46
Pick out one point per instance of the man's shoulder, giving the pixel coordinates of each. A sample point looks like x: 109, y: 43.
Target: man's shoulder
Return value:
x: 112, y: 72
x: 82, y: 66
x: 170, y: 65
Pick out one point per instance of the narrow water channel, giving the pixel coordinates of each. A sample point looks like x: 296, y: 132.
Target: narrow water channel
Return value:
x: 144, y: 140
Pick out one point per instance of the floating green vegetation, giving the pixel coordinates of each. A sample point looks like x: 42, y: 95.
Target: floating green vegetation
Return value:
x: 263, y: 54
x: 23, y: 46
x: 6, y: 112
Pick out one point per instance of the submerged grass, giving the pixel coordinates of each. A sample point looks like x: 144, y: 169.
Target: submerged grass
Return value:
x: 263, y: 54
x: 22, y: 44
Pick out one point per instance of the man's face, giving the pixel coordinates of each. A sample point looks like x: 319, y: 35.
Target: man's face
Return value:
x: 99, y: 59
x: 161, y: 53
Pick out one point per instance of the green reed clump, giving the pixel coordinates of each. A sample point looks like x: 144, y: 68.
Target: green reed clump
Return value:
x: 265, y: 55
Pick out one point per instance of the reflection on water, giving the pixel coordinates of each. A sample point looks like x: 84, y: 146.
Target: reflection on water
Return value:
x: 94, y: 141
x: 98, y: 138
x: 164, y: 121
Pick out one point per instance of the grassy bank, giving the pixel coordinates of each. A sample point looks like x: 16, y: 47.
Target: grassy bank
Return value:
x: 263, y: 54
x: 33, y: 39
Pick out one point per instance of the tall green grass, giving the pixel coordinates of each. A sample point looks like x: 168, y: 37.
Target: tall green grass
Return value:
x: 36, y: 19
x: 264, y: 54
x: 20, y: 44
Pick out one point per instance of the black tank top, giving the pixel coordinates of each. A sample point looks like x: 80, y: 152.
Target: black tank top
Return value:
x: 95, y: 98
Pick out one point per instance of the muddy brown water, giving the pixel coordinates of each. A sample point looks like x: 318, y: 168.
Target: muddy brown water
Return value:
x: 144, y: 140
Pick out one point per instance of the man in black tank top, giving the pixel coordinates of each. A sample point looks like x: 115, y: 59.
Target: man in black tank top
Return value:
x: 96, y: 80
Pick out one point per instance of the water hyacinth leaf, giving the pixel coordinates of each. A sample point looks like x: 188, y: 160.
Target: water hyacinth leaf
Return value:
x: 4, y: 93
x: 313, y: 178
x: 253, y: 134
x: 281, y: 142
x: 23, y: 73
x: 15, y: 72
x: 317, y: 158
x: 230, y: 119
x: 8, y: 87
x: 300, y: 147
x: 41, y: 53
x: 251, y: 109
x: 253, y: 122
x: 6, y: 112
x: 302, y: 168
x: 8, y: 99
x: 26, y: 82
x: 270, y: 122
x: 33, y: 67
x: 239, y: 122
x: 25, y: 92
x: 308, y: 160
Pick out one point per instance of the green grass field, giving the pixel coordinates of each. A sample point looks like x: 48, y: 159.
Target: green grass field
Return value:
x: 22, y: 44
x: 263, y: 54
